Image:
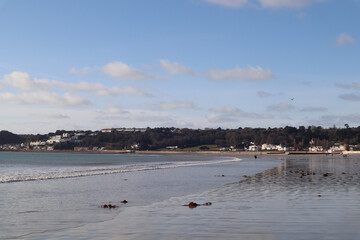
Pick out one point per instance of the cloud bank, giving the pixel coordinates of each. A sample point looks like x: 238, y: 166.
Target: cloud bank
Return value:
x: 350, y: 97
x: 177, y: 105
x: 23, y: 81
x: 294, y: 4
x: 232, y: 114
x: 176, y: 68
x: 123, y: 71
x: 44, y: 98
x: 281, y: 107
x: 345, y: 39
x: 248, y: 74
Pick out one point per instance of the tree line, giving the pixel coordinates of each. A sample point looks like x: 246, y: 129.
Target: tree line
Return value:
x: 159, y: 138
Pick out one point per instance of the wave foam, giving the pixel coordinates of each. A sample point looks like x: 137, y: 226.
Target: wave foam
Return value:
x: 33, y: 174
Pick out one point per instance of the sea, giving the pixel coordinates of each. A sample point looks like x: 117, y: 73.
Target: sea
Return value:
x: 61, y: 196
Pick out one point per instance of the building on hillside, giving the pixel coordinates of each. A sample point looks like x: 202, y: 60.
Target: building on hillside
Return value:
x: 106, y: 130
x: 37, y: 143
x: 316, y: 149
x: 172, y: 147
x: 253, y: 148
x: 268, y: 147
x: 337, y: 148
x: 54, y: 139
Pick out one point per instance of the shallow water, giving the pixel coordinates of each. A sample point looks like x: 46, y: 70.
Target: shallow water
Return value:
x: 280, y: 203
x: 46, y: 196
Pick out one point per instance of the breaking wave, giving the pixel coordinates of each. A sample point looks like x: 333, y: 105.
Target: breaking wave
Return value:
x: 34, y: 174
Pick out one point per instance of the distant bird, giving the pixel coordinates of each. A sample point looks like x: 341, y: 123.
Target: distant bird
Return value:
x: 292, y: 99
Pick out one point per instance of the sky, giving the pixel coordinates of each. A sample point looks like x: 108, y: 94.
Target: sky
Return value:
x: 94, y: 64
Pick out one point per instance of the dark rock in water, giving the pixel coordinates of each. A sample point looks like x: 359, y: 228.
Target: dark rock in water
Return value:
x: 109, y: 206
x: 193, y: 205
x: 326, y: 174
x: 124, y: 201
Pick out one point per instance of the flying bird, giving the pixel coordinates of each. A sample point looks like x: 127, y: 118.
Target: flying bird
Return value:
x: 292, y: 99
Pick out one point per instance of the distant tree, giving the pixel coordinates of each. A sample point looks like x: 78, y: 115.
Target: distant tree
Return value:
x: 204, y: 148
x: 7, y: 137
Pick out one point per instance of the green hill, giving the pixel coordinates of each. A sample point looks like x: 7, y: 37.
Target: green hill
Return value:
x: 7, y: 137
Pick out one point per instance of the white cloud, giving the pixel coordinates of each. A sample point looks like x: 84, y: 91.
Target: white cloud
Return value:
x: 100, y: 89
x: 314, y: 109
x: 113, y: 110
x: 297, y: 4
x: 136, y: 116
x: 50, y: 115
x: 23, y: 81
x: 339, y: 120
x: 345, y: 39
x: 176, y: 68
x: 44, y: 98
x: 232, y: 114
x: 83, y: 71
x: 149, y: 116
x: 350, y: 97
x: 349, y: 86
x: 250, y: 73
x: 123, y: 71
x: 281, y: 107
x: 229, y: 3
x: 177, y: 105
x: 227, y: 109
x: 58, y: 116
x: 263, y: 94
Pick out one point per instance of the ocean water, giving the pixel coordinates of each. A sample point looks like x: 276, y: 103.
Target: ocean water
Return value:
x: 281, y: 197
x: 54, y: 195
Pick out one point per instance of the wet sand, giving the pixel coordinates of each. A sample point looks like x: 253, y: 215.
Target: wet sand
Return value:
x: 308, y: 197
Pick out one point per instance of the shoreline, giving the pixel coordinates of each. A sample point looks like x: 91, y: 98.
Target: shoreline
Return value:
x: 167, y: 183
x: 280, y: 202
x: 245, y: 153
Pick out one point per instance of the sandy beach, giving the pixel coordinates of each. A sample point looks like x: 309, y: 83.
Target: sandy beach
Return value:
x: 307, y: 197
x: 316, y: 198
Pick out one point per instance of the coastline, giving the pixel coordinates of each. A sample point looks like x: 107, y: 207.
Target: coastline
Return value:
x: 223, y: 153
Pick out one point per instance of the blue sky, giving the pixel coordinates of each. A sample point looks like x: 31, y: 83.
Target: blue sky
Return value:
x: 91, y: 64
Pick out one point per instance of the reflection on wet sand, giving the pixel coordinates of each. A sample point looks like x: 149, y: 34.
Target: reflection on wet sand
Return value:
x: 306, y: 198
x: 316, y: 198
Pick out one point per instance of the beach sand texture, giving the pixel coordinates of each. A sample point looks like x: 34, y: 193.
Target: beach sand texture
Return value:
x: 306, y: 198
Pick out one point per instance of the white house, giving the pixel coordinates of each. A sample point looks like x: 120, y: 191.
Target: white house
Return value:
x: 337, y: 148
x: 316, y: 149
x: 253, y: 148
x: 54, y: 139
x: 37, y: 143
x: 106, y: 130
